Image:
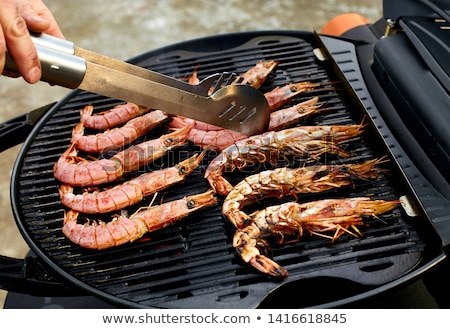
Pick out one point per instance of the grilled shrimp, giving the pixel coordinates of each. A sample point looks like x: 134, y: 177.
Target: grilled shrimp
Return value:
x: 309, y: 141
x: 99, y: 234
x: 214, y: 139
x: 124, y: 228
x: 280, y: 96
x: 289, y: 116
x: 277, y: 183
x: 117, y: 137
x: 289, y: 221
x: 206, y: 135
x: 110, y: 118
x: 141, y: 154
x: 217, y: 138
x: 130, y: 192
x: 158, y: 217
x: 256, y: 76
x: 193, y: 78
x: 179, y: 122
x: 77, y: 171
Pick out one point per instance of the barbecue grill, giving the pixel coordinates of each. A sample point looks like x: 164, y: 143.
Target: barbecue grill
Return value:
x: 192, y: 264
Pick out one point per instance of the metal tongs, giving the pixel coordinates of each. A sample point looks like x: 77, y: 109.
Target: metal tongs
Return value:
x: 215, y: 100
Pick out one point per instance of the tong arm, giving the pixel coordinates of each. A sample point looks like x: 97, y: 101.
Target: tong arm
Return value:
x: 64, y: 64
x: 230, y: 107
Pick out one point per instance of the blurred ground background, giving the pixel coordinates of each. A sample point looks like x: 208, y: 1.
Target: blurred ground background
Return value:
x: 123, y: 29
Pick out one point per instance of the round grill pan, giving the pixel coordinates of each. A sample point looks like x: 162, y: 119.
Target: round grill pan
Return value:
x: 192, y: 264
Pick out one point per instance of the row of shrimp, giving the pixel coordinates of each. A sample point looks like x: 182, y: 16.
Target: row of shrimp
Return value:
x: 213, y: 137
x: 92, y: 184
x: 97, y: 234
x: 309, y: 142
x: 114, y: 129
x: 288, y: 221
x: 125, y: 228
x: 121, y: 126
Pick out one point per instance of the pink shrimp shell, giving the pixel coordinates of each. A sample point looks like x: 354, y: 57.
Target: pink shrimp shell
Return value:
x: 110, y: 118
x: 117, y: 137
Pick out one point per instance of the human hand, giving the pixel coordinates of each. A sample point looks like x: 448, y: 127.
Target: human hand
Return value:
x: 17, y: 17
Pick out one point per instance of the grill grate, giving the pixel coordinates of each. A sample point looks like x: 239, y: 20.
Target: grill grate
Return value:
x: 193, y: 264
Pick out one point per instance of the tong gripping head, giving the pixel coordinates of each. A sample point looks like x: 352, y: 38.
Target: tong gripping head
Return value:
x: 241, y: 108
x: 214, y: 82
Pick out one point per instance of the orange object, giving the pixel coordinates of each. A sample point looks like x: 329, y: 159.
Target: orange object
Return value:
x: 343, y: 23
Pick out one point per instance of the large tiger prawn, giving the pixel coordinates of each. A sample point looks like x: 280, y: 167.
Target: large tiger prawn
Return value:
x: 217, y: 138
x: 279, y: 182
x: 111, y: 118
x: 130, y: 192
x: 307, y: 141
x: 289, y: 221
x: 117, y: 137
x: 78, y: 171
x: 123, y: 228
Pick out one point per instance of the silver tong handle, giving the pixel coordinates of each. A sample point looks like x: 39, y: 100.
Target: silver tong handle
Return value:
x: 58, y: 68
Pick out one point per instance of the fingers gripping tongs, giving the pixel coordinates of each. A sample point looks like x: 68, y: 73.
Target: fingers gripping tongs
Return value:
x: 214, y: 100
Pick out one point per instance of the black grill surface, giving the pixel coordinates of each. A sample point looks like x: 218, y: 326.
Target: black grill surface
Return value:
x: 192, y: 264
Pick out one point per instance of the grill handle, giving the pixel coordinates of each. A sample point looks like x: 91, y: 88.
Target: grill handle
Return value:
x: 29, y: 276
x: 16, y: 130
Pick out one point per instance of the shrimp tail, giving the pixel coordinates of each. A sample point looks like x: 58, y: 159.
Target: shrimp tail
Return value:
x: 268, y: 266
x: 249, y: 246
